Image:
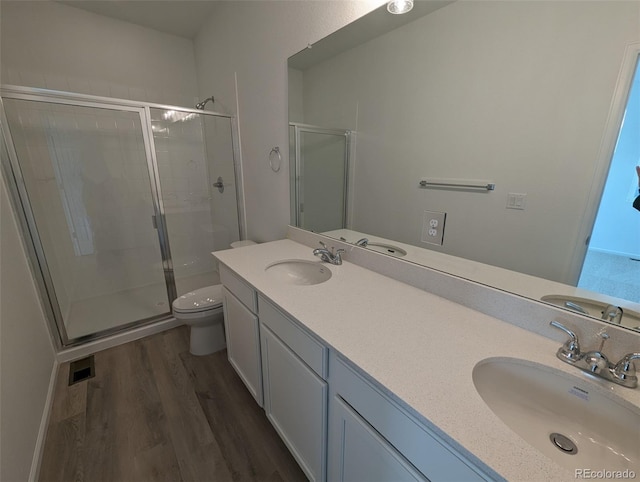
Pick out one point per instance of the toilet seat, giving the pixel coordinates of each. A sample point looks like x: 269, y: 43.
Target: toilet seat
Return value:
x: 201, y: 300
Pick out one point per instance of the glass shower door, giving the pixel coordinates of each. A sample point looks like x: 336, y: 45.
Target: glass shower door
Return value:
x: 84, y: 170
x: 321, y: 178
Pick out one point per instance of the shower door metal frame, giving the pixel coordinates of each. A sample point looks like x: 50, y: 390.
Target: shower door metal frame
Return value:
x: 300, y: 128
x: 22, y: 206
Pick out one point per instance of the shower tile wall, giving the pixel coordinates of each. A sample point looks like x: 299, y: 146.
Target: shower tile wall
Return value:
x: 224, y: 208
x: 192, y: 151
x: 184, y: 179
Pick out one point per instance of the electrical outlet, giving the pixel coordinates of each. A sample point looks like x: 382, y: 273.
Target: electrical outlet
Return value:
x: 433, y: 227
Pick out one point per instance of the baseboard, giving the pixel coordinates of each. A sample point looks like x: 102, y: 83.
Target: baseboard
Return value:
x: 622, y: 254
x: 78, y: 352
x: 34, y: 473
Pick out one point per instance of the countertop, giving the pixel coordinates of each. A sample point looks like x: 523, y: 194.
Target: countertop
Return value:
x: 420, y: 347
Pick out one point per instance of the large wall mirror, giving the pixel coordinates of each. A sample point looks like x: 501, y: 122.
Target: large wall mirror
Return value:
x: 513, y: 127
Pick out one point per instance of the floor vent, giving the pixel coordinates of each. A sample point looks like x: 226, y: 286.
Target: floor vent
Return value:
x: 82, y: 369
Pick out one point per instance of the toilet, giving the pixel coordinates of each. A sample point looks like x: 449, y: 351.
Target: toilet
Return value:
x: 202, y: 311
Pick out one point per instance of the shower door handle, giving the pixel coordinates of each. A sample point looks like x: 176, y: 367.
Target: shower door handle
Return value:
x: 219, y: 184
x: 154, y: 221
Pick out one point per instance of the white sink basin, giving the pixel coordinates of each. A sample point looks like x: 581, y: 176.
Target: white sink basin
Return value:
x: 387, y: 249
x: 299, y: 272
x: 537, y: 401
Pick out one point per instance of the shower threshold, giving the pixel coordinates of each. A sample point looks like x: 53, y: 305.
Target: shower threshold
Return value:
x: 106, y: 312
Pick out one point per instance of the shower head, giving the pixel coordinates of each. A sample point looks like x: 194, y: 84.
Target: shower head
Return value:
x: 200, y: 105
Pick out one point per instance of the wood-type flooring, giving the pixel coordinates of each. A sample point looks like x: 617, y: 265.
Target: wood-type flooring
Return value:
x: 154, y: 412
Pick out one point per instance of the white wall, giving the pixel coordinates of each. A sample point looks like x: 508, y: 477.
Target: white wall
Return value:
x: 26, y: 353
x: 514, y: 92
x: 50, y: 45
x: 252, y: 40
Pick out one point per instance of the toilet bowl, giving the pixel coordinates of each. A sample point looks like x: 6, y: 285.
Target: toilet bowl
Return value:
x: 201, y: 310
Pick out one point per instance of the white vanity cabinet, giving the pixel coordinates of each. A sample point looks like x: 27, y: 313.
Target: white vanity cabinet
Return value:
x: 242, y: 330
x: 339, y: 424
x: 373, y: 438
x: 294, y: 367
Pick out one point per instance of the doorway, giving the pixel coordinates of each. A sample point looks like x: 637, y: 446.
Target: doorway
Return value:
x: 612, y: 262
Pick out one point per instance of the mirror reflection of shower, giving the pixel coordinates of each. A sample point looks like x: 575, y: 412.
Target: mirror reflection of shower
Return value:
x: 200, y: 105
x: 319, y: 160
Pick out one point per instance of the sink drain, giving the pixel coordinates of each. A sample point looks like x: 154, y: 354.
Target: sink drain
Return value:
x: 564, y: 444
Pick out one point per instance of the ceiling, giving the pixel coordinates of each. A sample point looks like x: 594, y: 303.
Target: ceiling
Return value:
x: 177, y: 17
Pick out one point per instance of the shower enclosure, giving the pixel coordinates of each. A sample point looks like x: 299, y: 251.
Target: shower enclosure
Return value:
x: 319, y: 160
x: 121, y: 204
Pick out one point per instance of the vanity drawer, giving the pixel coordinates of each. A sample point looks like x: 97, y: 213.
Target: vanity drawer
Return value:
x: 239, y: 287
x: 311, y: 351
x: 422, y: 447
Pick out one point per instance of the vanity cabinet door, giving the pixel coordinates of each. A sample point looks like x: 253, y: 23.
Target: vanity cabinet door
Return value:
x: 243, y: 343
x: 412, y: 440
x: 295, y: 401
x: 360, y: 453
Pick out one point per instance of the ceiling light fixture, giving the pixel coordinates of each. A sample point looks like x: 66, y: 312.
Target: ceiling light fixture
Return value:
x: 398, y: 7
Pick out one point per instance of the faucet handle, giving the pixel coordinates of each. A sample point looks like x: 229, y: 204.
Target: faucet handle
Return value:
x: 338, y: 255
x: 613, y: 314
x: 570, y: 351
x: 625, y: 370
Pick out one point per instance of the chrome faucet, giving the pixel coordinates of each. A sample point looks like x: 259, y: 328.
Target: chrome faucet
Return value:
x: 362, y: 242
x: 625, y: 370
x: 575, y: 307
x: 329, y: 256
x: 612, y: 314
x: 595, y: 362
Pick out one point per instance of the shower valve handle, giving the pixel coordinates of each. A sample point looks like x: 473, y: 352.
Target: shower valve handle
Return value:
x: 219, y: 184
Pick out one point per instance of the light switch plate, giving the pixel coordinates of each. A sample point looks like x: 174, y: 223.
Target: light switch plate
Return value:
x: 515, y: 200
x: 433, y: 227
